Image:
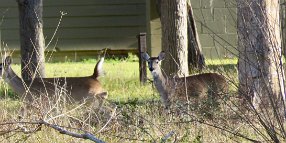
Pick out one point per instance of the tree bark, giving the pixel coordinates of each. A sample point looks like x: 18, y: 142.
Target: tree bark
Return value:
x: 261, y: 77
x: 31, y: 38
x: 196, y: 58
x: 174, y: 36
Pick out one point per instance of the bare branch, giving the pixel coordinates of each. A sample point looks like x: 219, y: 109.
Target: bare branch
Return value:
x: 86, y: 135
x: 61, y: 130
x: 113, y: 114
x: 62, y: 14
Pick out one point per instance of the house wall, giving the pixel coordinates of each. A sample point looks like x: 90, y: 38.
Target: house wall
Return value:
x: 216, y: 25
x: 88, y: 25
x: 91, y: 25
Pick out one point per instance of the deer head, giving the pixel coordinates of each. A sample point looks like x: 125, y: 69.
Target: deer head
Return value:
x: 154, y: 63
x: 5, y: 65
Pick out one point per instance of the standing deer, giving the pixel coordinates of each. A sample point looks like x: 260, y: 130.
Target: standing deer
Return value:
x: 196, y: 87
x: 78, y: 88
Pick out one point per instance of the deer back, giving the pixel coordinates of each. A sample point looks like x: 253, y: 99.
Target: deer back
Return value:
x: 199, y: 86
x: 78, y: 88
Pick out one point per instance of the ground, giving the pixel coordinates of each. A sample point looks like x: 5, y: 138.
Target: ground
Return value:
x: 132, y: 112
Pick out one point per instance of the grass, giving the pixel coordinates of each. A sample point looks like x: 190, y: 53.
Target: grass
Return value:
x: 139, y: 115
x: 121, y: 78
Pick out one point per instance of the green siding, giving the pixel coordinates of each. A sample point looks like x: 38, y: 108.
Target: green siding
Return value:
x: 11, y: 3
x: 114, y: 24
x: 216, y: 26
x: 88, y: 24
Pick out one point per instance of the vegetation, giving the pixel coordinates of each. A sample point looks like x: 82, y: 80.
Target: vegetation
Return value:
x: 133, y: 112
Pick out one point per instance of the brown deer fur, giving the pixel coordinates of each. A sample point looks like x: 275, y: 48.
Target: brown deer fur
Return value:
x: 195, y: 87
x: 77, y: 88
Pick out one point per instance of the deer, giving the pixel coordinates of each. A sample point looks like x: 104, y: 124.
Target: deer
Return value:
x: 79, y: 89
x: 172, y: 89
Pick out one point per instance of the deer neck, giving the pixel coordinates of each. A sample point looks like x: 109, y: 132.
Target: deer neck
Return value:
x: 161, y: 83
x: 14, y: 81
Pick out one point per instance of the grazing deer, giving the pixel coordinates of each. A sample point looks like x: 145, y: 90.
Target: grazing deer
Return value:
x: 194, y: 87
x: 78, y: 88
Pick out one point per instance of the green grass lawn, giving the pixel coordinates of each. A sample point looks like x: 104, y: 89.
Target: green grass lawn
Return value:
x: 121, y: 78
x: 140, y: 116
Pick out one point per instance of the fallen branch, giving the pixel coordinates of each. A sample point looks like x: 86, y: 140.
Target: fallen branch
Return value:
x: 76, y: 135
x: 61, y: 130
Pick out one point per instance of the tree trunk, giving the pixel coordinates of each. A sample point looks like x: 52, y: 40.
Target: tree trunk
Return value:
x: 174, y: 36
x: 196, y: 58
x: 31, y: 38
x: 260, y: 64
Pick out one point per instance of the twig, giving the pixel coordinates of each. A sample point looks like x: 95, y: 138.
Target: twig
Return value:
x: 62, y: 14
x: 86, y: 135
x: 63, y: 114
x: 3, y: 16
x: 113, y: 114
x: 166, y: 137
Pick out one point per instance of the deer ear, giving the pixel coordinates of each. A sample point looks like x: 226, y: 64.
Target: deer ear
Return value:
x: 145, y: 56
x: 8, y: 61
x: 161, y: 55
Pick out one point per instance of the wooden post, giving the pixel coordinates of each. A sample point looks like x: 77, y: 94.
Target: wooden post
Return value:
x: 142, y: 64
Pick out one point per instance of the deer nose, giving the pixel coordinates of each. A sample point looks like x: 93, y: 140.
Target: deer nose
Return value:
x: 151, y: 68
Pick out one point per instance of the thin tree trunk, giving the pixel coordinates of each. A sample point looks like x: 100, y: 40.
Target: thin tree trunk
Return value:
x: 31, y: 38
x: 196, y: 58
x: 174, y: 36
x: 260, y: 64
